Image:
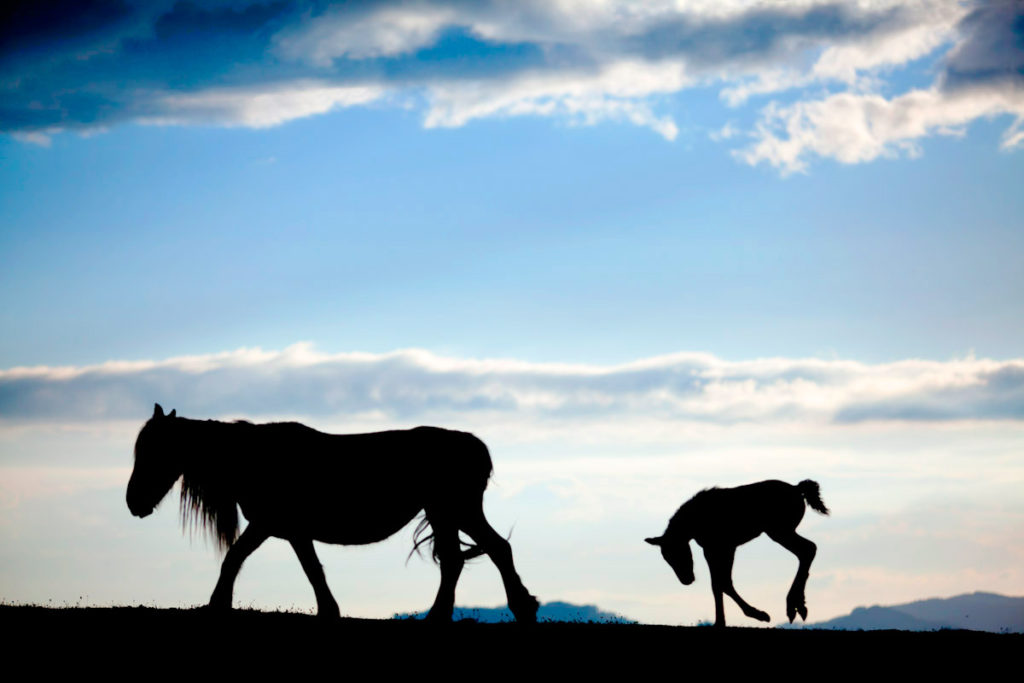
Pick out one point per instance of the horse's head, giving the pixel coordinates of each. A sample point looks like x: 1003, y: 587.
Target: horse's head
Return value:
x: 676, y: 552
x: 156, y: 466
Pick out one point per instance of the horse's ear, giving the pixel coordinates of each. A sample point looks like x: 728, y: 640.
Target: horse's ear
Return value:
x: 157, y: 410
x: 174, y: 413
x: 654, y: 541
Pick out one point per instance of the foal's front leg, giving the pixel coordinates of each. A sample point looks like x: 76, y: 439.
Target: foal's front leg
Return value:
x: 243, y: 547
x: 720, y: 561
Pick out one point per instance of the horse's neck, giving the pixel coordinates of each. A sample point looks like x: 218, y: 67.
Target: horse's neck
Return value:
x: 207, y: 448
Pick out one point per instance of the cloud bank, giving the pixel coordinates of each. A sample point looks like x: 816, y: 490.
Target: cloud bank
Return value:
x: 409, y: 385
x: 91, y: 65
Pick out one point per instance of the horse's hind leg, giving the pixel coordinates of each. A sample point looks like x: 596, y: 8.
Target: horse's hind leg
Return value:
x: 523, y: 605
x: 449, y: 555
x: 720, y: 561
x: 326, y: 605
x: 251, y: 538
x: 805, y: 551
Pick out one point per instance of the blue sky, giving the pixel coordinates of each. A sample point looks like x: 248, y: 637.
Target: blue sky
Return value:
x: 528, y: 220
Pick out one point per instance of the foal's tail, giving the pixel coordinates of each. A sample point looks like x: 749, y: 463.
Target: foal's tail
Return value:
x: 812, y: 494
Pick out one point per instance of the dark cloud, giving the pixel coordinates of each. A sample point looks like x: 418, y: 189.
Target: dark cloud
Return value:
x: 761, y: 33
x: 37, y: 26
x: 992, y: 48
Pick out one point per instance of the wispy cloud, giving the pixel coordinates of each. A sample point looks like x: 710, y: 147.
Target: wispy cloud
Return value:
x: 93, y: 65
x: 413, y: 384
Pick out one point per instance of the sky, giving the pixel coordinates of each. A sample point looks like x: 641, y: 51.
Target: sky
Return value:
x: 639, y: 249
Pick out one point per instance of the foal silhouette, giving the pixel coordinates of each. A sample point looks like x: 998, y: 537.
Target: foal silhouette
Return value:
x: 296, y: 483
x: 722, y: 519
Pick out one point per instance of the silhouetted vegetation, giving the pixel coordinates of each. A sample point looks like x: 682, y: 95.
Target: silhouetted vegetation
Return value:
x: 142, y: 641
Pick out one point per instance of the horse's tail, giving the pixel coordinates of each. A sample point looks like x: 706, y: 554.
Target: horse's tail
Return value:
x: 419, y: 539
x: 812, y: 494
x: 475, y: 469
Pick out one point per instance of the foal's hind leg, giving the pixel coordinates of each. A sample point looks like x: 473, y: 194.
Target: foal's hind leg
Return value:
x: 251, y: 538
x: 523, y: 605
x: 326, y: 605
x: 446, y: 546
x: 720, y: 560
x: 805, y: 551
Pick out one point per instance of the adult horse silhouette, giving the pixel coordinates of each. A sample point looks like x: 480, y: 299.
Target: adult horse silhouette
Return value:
x: 722, y: 519
x: 296, y: 483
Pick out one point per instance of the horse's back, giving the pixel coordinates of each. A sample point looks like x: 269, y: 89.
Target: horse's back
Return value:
x: 421, y: 448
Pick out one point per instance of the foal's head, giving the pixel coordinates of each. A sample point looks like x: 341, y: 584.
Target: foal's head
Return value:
x: 676, y: 551
x: 156, y: 467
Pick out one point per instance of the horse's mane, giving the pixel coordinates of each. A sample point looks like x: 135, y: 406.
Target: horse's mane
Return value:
x: 208, y: 503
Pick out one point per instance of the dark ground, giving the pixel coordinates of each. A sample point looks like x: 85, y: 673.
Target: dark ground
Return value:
x: 146, y: 643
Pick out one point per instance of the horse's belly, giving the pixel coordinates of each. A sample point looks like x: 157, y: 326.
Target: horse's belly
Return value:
x: 331, y: 523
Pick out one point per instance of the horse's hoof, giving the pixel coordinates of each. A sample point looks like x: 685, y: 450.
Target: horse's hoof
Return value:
x: 526, y: 611
x: 761, y: 616
x: 802, y: 610
x: 438, y: 617
x: 328, y: 613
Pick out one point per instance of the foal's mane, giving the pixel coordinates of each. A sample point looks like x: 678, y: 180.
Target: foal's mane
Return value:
x: 208, y: 503
x: 690, y: 508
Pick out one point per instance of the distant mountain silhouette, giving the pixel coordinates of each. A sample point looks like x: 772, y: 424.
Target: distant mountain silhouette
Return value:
x: 550, y: 611
x: 974, y: 611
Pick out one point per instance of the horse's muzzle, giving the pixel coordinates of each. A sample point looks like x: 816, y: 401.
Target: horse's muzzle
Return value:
x: 139, y: 511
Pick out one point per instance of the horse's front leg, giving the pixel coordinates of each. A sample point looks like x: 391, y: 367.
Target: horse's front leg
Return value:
x: 805, y: 550
x: 720, y: 561
x: 251, y: 538
x: 326, y: 605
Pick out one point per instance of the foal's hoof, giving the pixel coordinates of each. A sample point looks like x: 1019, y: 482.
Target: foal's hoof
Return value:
x: 794, y: 608
x: 219, y: 606
x: 760, y: 616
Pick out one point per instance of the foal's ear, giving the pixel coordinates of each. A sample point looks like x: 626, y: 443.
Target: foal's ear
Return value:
x: 157, y: 410
x: 174, y: 413
x: 654, y: 541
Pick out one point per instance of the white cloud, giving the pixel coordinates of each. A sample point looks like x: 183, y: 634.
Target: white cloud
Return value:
x: 853, y: 128
x: 413, y: 385
x: 258, y: 107
x: 388, y: 31
x: 616, y: 92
